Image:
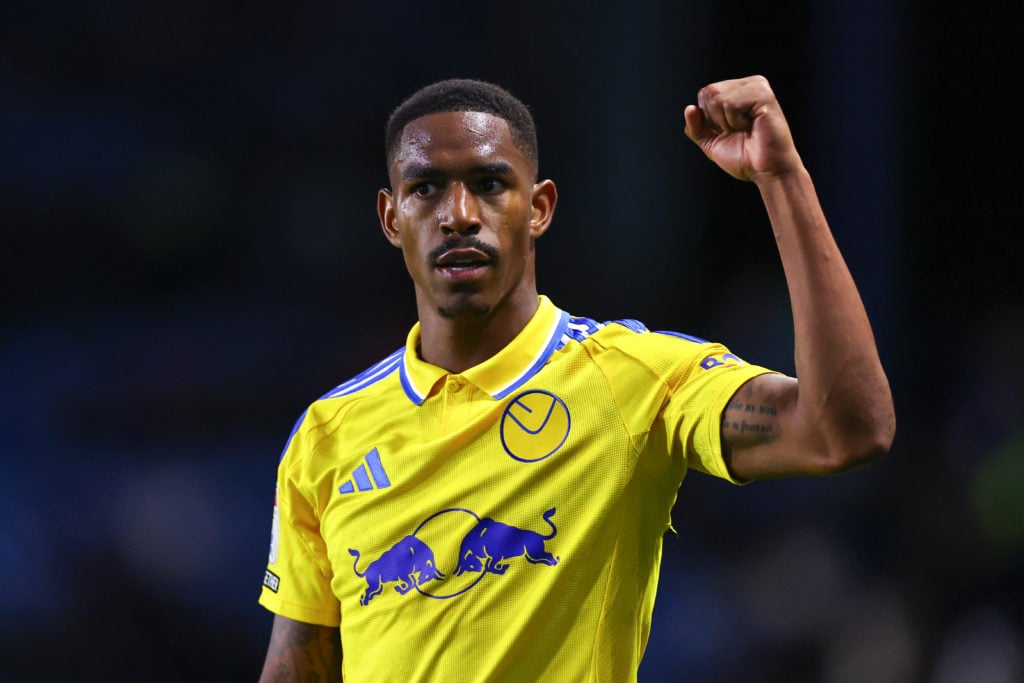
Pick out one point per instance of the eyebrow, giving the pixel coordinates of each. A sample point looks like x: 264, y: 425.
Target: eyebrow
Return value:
x: 502, y: 168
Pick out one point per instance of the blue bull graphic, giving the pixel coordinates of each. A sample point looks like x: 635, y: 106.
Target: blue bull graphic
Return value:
x: 489, y: 545
x: 410, y: 562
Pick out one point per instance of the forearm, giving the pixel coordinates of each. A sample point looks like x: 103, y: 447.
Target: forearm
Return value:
x: 301, y: 652
x: 843, y: 393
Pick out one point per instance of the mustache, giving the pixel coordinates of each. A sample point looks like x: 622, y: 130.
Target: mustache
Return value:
x: 463, y: 242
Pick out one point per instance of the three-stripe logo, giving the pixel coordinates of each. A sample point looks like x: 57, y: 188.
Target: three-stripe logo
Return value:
x: 368, y: 476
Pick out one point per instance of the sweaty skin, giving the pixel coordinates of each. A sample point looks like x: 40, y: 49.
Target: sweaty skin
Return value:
x: 465, y: 209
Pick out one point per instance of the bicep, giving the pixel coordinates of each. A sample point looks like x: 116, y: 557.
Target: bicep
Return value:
x: 762, y: 435
x: 302, y: 652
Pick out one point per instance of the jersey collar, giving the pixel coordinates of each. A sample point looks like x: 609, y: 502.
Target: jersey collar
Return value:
x: 500, y: 374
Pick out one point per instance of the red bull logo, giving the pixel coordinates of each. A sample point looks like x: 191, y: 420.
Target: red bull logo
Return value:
x: 451, y: 551
x: 409, y: 562
x: 490, y: 544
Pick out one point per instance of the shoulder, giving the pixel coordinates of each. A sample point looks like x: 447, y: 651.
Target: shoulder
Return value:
x: 373, y: 375
x: 331, y: 406
x: 628, y: 334
x: 624, y: 343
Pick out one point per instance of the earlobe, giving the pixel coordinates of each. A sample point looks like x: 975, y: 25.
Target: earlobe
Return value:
x: 545, y: 197
x: 386, y: 214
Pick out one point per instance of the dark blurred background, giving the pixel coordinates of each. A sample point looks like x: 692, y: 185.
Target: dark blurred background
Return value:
x: 189, y: 254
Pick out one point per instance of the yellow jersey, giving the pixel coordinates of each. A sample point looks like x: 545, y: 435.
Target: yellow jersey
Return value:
x: 504, y: 523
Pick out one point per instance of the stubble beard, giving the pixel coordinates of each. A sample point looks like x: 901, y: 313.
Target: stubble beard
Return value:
x: 465, y: 311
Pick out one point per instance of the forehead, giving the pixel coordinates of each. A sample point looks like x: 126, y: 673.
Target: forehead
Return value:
x: 456, y: 137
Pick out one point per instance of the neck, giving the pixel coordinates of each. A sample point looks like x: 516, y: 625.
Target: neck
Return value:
x: 457, y: 344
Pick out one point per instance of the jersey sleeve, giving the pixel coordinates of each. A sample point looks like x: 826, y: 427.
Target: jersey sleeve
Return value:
x: 297, y: 582
x: 676, y: 386
x: 700, y: 388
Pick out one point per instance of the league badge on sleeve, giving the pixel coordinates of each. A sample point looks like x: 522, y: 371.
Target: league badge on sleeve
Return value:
x: 275, y: 532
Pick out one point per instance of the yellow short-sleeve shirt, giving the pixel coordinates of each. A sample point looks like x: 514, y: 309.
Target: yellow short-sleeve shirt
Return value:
x: 504, y: 523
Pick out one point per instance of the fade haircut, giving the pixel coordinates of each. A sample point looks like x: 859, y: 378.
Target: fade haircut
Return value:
x: 464, y: 94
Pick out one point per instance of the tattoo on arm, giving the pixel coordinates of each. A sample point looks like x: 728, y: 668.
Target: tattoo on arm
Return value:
x: 302, y: 653
x: 749, y: 420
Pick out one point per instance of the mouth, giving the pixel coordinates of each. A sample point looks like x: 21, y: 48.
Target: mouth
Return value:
x: 462, y: 264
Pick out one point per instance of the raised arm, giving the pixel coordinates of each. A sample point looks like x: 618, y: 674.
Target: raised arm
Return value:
x: 301, y: 652
x: 838, y: 412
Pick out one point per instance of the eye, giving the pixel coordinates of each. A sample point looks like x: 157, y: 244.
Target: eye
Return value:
x: 423, y: 189
x: 490, y: 185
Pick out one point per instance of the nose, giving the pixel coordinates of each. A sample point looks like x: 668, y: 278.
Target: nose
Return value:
x: 460, y: 211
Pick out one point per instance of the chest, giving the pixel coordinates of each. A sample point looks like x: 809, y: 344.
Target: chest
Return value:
x: 439, y: 500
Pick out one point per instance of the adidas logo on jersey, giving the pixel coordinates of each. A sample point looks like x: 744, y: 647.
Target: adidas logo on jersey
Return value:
x: 361, y: 476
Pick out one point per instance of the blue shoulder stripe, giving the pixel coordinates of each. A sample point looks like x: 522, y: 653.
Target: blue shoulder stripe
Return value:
x: 371, y: 375
x: 579, y: 329
x: 631, y: 324
x: 687, y: 337
x: 291, y: 436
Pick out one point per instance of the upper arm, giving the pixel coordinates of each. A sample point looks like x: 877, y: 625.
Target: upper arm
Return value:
x: 302, y: 652
x: 766, y: 433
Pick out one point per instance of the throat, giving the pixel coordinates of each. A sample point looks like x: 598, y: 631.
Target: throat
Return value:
x: 464, y: 331
x: 462, y: 343
x: 456, y: 340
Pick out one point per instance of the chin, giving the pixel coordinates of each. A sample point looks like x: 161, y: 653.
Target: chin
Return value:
x: 465, y: 310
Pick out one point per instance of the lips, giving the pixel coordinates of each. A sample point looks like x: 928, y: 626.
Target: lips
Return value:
x: 462, y: 264
x: 462, y: 258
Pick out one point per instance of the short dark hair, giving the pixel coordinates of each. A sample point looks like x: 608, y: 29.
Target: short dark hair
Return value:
x: 465, y: 94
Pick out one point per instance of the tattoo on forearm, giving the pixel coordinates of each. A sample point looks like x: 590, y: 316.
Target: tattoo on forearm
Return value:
x: 303, y: 652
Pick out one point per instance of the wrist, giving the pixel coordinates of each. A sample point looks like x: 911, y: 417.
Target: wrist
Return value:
x: 791, y: 173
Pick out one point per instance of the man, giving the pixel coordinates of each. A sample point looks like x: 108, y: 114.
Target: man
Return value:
x: 488, y: 503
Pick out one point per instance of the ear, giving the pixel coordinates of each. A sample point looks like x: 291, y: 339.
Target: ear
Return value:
x: 386, y: 214
x: 543, y: 199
